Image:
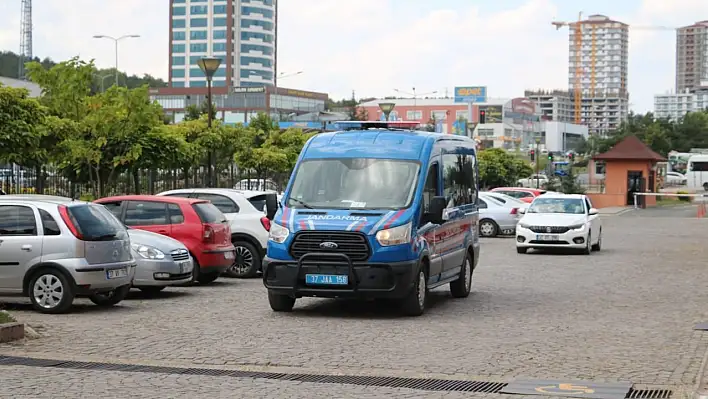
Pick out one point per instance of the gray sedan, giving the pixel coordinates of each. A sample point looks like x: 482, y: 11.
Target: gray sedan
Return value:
x: 497, y: 217
x: 162, y: 261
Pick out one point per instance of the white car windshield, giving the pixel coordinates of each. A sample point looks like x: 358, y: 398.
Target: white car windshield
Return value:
x: 354, y: 183
x: 557, y: 205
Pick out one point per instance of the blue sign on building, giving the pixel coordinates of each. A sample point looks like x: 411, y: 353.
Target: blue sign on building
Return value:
x: 474, y: 94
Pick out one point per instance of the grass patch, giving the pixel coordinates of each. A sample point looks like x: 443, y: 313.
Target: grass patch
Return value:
x: 6, y: 318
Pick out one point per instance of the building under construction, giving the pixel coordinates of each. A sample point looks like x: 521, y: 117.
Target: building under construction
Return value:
x: 597, y: 76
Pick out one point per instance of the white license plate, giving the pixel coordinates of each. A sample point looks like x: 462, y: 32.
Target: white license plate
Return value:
x: 228, y: 255
x: 185, y: 267
x: 546, y: 237
x: 116, y: 273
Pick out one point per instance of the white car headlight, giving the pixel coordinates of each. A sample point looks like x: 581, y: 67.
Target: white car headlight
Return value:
x: 278, y: 233
x: 394, y: 236
x: 577, y: 226
x: 523, y: 225
x: 148, y: 252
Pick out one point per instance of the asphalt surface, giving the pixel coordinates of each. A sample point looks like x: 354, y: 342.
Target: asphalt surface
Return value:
x: 623, y: 314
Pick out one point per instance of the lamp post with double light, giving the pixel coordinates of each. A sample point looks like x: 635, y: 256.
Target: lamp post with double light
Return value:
x: 209, y: 66
x: 415, y: 96
x: 115, y: 41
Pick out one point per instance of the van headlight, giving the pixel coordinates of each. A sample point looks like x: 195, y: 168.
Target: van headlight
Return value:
x: 394, y: 236
x: 148, y: 252
x: 278, y: 234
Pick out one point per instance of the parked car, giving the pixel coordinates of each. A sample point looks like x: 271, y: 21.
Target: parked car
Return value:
x: 676, y: 179
x: 197, y: 223
x: 533, y: 181
x: 506, y: 199
x: 55, y: 249
x: 162, y: 261
x: 249, y: 226
x: 524, y: 194
x: 496, y: 217
x: 560, y: 221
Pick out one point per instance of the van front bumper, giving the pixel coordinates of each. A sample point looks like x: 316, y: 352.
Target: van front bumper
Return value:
x: 366, y: 280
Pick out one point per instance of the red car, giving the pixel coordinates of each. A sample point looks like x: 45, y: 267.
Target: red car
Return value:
x: 523, y: 194
x: 198, y: 224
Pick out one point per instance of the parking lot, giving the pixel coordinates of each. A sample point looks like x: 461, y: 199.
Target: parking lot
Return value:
x: 624, y: 314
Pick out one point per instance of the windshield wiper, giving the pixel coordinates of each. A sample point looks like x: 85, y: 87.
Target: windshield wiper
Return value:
x: 303, y: 203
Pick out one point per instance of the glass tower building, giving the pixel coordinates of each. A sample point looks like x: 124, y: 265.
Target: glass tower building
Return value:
x: 240, y: 32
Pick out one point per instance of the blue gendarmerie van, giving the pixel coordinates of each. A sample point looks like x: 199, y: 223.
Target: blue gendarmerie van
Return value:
x: 375, y: 211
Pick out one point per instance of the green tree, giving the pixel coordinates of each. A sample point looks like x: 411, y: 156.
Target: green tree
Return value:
x: 65, y: 87
x: 498, y: 168
x: 21, y: 119
x: 569, y: 184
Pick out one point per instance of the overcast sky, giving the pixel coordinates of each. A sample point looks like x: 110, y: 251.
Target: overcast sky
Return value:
x: 374, y: 46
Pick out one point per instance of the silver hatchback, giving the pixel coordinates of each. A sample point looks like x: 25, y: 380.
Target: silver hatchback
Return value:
x: 53, y: 249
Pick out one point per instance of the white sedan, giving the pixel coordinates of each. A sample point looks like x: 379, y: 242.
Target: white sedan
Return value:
x: 559, y: 221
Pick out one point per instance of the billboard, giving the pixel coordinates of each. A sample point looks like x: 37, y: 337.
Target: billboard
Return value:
x: 467, y: 94
x: 523, y: 106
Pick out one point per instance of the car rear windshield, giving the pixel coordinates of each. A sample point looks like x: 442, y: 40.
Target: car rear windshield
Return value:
x: 96, y: 223
x: 208, y: 213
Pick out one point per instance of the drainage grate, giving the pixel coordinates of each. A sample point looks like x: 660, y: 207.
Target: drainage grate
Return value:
x: 425, y: 384
x: 649, y: 393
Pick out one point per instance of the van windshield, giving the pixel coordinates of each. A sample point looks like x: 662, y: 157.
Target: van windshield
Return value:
x: 348, y: 183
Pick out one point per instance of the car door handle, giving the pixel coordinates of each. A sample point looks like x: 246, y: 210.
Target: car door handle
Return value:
x: 163, y: 231
x: 26, y: 247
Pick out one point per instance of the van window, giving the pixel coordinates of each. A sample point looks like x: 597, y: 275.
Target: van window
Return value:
x: 459, y: 181
x: 431, y: 187
x: 354, y: 183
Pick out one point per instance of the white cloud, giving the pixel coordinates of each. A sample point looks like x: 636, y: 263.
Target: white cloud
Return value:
x: 373, y: 46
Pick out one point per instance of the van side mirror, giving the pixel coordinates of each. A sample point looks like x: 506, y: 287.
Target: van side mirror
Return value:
x: 271, y: 205
x: 435, y: 211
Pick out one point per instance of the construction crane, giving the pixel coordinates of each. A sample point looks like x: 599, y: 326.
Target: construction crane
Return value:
x: 25, y: 37
x: 579, y: 27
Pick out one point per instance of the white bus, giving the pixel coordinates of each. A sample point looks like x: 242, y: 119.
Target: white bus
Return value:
x: 697, y: 172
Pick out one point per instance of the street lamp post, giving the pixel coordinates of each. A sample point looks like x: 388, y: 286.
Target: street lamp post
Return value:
x: 415, y: 96
x: 209, y: 65
x: 386, y: 108
x: 115, y: 41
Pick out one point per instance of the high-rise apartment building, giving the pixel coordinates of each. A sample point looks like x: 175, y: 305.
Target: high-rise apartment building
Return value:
x: 692, y: 56
x: 554, y: 105
x: 240, y: 32
x: 602, y: 71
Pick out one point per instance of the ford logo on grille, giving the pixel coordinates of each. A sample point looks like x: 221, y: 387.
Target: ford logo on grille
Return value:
x: 329, y: 245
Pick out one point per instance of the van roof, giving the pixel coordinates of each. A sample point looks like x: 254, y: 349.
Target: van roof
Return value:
x: 376, y: 143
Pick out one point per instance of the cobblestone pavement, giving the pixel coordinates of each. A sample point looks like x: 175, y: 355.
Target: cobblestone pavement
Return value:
x: 625, y: 313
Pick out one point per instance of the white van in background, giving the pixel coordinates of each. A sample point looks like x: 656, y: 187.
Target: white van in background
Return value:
x: 697, y: 172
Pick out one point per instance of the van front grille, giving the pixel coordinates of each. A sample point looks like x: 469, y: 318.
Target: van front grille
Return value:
x: 352, y: 244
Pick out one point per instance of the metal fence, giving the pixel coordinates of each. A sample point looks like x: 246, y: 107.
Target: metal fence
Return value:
x: 50, y: 181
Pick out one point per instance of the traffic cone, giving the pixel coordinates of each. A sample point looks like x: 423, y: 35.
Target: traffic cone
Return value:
x: 701, y: 213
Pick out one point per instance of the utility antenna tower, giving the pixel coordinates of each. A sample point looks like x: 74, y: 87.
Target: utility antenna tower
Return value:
x: 25, y: 37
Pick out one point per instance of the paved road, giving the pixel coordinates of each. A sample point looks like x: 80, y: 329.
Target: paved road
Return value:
x: 625, y: 313
x: 664, y: 211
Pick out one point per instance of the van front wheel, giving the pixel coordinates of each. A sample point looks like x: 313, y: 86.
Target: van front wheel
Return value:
x: 414, y: 303
x: 281, y: 303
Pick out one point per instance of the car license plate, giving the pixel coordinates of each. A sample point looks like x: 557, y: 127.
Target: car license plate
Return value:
x: 228, y: 255
x: 327, y: 279
x: 185, y: 267
x: 547, y: 237
x: 116, y: 273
